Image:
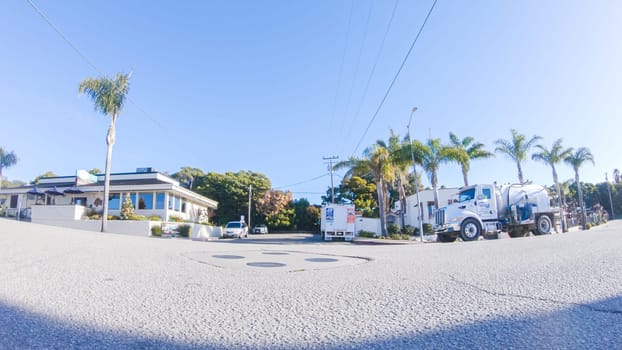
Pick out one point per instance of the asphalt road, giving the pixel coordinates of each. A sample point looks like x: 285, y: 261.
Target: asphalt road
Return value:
x: 64, y: 289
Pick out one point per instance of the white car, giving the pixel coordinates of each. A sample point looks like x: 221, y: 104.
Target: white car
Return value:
x: 236, y: 229
x: 261, y: 229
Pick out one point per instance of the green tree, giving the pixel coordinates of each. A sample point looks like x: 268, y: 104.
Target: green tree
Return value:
x: 516, y: 149
x: 7, y: 160
x: 95, y: 171
x: 551, y: 157
x: 362, y: 193
x: 230, y: 190
x: 127, y: 209
x: 45, y: 174
x: 109, y: 97
x: 576, y: 160
x: 472, y: 150
x: 616, y: 176
x: 400, y: 159
x: 376, y: 162
x: 431, y: 156
x: 189, y: 177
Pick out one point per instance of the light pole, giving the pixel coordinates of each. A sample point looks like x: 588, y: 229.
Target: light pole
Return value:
x: 412, y: 155
x: 613, y: 216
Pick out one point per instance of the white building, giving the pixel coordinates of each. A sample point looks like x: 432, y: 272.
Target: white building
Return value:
x: 426, y: 199
x: 151, y: 193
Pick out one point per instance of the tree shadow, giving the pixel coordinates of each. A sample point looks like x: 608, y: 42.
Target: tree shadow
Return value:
x: 596, y: 325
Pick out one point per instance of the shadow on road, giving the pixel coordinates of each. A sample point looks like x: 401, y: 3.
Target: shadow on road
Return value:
x: 589, y: 326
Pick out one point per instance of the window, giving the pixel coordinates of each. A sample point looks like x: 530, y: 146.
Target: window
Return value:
x: 183, y: 205
x: 487, y: 193
x: 145, y: 200
x: 133, y: 199
x: 431, y: 210
x: 80, y: 201
x: 114, y: 200
x: 171, y: 202
x: 466, y: 195
x: 160, y: 198
x: 177, y: 204
x: 13, y: 203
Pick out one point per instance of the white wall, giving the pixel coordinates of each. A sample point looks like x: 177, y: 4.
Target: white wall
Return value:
x: 425, y: 196
x: 367, y: 224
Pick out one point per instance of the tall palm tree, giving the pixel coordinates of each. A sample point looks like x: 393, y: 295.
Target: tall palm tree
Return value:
x: 516, y: 149
x: 576, y: 160
x: 376, y: 162
x: 109, y: 96
x: 7, y: 160
x: 400, y: 160
x: 551, y: 157
x: 431, y: 155
x: 616, y: 175
x: 472, y: 150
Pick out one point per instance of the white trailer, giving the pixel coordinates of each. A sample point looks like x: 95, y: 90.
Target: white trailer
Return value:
x: 337, y: 221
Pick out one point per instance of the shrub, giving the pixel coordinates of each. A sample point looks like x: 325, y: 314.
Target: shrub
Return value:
x: 154, y: 218
x: 366, y: 234
x: 399, y: 236
x: 393, y: 229
x: 174, y: 218
x: 408, y: 230
x: 427, y: 228
x: 127, y: 209
x: 156, y: 231
x: 588, y: 226
x: 95, y: 217
x: 113, y: 217
x: 184, y: 230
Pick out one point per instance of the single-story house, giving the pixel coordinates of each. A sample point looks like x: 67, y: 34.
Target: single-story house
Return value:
x: 152, y: 194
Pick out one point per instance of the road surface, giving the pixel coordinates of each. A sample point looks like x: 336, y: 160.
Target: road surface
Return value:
x: 66, y: 289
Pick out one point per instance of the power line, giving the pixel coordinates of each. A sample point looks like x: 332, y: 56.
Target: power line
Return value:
x: 395, y: 77
x: 301, y: 182
x: 373, y: 69
x: 84, y: 57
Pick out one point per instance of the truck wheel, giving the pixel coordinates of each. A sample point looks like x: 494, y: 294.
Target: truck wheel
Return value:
x: 445, y: 238
x: 543, y: 225
x: 470, y: 230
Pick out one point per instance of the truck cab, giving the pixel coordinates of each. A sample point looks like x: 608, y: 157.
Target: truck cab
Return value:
x: 473, y: 211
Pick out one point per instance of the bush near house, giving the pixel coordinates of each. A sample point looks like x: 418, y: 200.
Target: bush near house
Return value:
x: 366, y: 234
x: 156, y: 231
x: 154, y: 218
x: 393, y: 229
x: 184, y: 230
x: 173, y: 218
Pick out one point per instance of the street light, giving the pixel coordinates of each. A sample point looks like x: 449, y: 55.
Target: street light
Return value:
x: 412, y: 155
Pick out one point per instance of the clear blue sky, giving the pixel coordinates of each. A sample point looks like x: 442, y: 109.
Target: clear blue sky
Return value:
x: 273, y: 86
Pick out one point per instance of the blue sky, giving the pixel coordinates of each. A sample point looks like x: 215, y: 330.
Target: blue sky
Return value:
x: 274, y: 86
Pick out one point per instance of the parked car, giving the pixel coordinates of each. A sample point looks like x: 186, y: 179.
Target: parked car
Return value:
x: 260, y: 229
x: 237, y: 229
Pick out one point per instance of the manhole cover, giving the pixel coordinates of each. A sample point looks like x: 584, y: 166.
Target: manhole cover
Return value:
x: 275, y: 253
x: 228, y: 256
x: 265, y: 264
x: 321, y: 259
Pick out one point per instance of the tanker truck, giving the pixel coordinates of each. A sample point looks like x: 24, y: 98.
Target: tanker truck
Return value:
x: 488, y: 209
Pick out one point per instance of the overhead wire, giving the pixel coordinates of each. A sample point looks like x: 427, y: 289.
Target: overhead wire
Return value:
x: 302, y: 182
x: 85, y: 58
x: 384, y: 98
x: 373, y: 70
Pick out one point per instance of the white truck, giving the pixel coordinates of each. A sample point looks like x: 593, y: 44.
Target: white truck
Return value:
x: 489, y: 209
x: 337, y: 221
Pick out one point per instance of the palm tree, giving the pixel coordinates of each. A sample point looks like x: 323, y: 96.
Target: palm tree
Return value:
x: 554, y: 156
x: 472, y: 151
x: 376, y: 162
x: 109, y: 96
x: 576, y: 160
x: 400, y: 160
x: 516, y: 149
x: 431, y: 155
x: 616, y: 175
x: 7, y: 160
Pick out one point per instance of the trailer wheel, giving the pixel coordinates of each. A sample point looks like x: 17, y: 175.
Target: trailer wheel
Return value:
x: 445, y: 238
x: 470, y: 230
x: 543, y: 225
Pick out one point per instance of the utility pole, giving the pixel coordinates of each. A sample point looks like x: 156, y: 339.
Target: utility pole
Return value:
x: 332, y: 186
x: 613, y: 216
x: 250, y: 193
x: 412, y: 155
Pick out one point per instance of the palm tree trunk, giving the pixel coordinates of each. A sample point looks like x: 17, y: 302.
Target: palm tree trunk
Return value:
x: 465, y: 176
x: 381, y: 208
x: 402, y: 202
x: 110, y: 138
x: 581, y: 204
x: 434, y: 181
x: 562, y: 217
x: 520, y: 172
